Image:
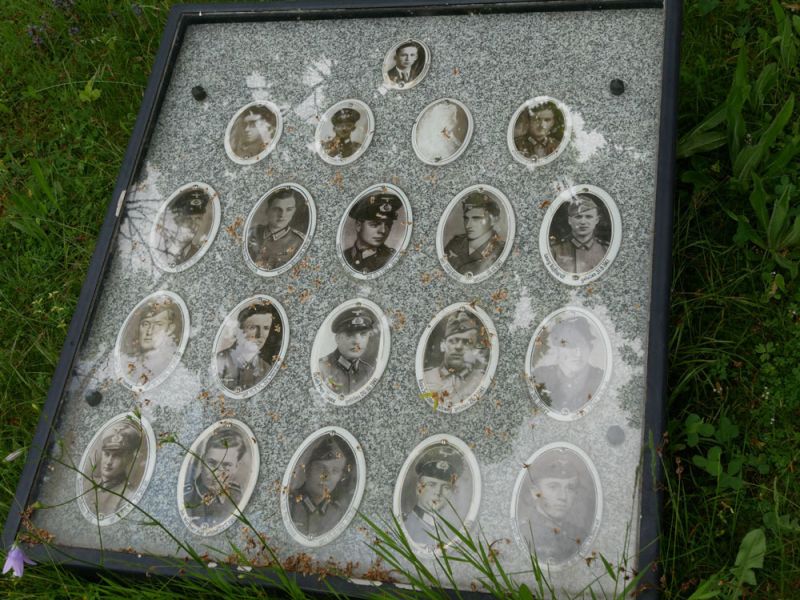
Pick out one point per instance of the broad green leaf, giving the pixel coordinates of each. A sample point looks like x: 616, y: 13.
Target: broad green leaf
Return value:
x: 758, y: 200
x: 739, y: 91
x: 750, y: 557
x: 788, y: 46
x: 792, y: 238
x: 778, y: 220
x: 777, y: 10
x: 748, y: 158
x: 524, y: 593
x: 764, y: 84
x: 708, y: 589
x: 777, y: 165
x: 702, y: 141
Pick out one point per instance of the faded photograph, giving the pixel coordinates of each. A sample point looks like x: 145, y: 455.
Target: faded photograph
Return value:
x: 580, y: 233
x: 152, y: 340
x: 442, y: 131
x: 253, y: 132
x: 250, y: 346
x: 279, y: 229
x: 185, y: 227
x: 344, y: 132
x: 556, y: 505
x: 538, y: 130
x: 406, y: 64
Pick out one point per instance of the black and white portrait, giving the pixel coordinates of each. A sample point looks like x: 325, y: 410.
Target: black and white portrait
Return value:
x: 344, y: 132
x: 406, y: 64
x: 456, y: 357
x: 253, y: 132
x: 323, y: 486
x: 557, y: 504
x: 440, y: 482
x: 279, y: 229
x: 115, y: 469
x: 217, y: 477
x: 185, y: 227
x: 580, y: 235
x: 568, y: 363
x: 442, y: 131
x: 539, y: 131
x: 350, y: 351
x: 152, y: 340
x: 250, y: 346
x: 475, y: 234
x: 374, y: 231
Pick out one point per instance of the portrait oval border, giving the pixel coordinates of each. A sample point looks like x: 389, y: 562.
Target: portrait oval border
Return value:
x: 381, y: 359
x: 129, y: 502
x: 510, y: 233
x: 361, y: 481
x: 312, y: 227
x: 212, y: 232
x: 270, y: 147
x: 363, y: 107
x: 494, y: 354
x: 467, y: 138
x: 517, y: 155
x: 598, y: 513
x: 576, y: 279
x: 529, y: 378
x: 192, y: 453
x: 176, y: 356
x: 250, y: 392
x: 477, y: 488
x: 388, y: 83
x: 378, y: 187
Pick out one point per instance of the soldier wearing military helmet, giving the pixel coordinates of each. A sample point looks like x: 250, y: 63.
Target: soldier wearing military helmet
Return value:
x: 374, y: 216
x: 479, y: 247
x: 581, y: 250
x: 344, y: 371
x: 182, y: 238
x: 344, y: 124
x: 118, y: 453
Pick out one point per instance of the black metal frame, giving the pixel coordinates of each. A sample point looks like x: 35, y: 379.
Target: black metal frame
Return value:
x: 179, y: 19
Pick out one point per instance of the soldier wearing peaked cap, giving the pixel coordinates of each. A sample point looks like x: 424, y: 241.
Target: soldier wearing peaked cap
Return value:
x: 582, y: 250
x: 182, y: 241
x: 374, y: 217
x: 274, y: 243
x: 344, y: 123
x: 437, y: 475
x: 572, y: 381
x: 117, y: 455
x: 541, y: 138
x: 462, y: 366
x: 479, y: 247
x: 344, y: 371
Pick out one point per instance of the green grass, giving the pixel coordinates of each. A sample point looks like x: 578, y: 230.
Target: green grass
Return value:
x: 69, y: 95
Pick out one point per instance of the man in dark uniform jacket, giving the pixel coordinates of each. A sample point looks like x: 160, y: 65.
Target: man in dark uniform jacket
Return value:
x: 344, y: 123
x: 582, y: 250
x: 537, y: 142
x: 477, y: 249
x: 319, y: 503
x: 344, y: 370
x: 254, y: 132
x: 571, y: 383
x: 118, y: 454
x: 243, y: 365
x: 188, y: 212
x: 275, y: 243
x: 407, y: 64
x: 374, y: 216
x: 216, y: 490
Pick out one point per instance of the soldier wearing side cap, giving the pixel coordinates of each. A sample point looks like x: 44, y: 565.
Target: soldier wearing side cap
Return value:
x: 570, y: 383
x: 344, y: 123
x: 462, y: 367
x: 543, y: 133
x: 322, y: 499
x: 582, y: 250
x: 274, y: 243
x: 437, y: 476
x: 479, y: 247
x: 344, y: 370
x: 546, y: 517
x: 118, y: 453
x: 374, y: 217
x: 181, y: 242
x: 216, y: 490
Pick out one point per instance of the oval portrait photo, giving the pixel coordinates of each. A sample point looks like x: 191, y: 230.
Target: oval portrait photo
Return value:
x: 350, y: 351
x: 456, y: 357
x: 568, y: 363
x: 344, y: 132
x: 406, y: 64
x: 557, y: 504
x: 475, y: 234
x: 374, y: 231
x: 250, y: 346
x: 539, y: 131
x: 116, y: 468
x: 279, y: 229
x: 152, y: 340
x: 323, y: 486
x: 217, y: 477
x: 580, y: 235
x: 253, y: 132
x: 442, y: 131
x: 440, y: 482
x: 185, y: 227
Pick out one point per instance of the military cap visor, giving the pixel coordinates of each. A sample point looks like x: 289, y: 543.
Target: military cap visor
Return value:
x: 581, y: 204
x: 480, y: 201
x: 559, y: 468
x: 380, y: 207
x: 122, y: 438
x: 570, y: 332
x: 442, y: 469
x: 346, y: 115
x: 192, y: 203
x: 460, y: 322
x: 352, y: 320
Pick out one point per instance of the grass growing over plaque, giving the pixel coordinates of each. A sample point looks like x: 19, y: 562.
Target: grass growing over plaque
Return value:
x: 73, y: 77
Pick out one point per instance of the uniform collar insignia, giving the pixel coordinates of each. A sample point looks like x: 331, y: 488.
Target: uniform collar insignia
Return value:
x: 278, y: 234
x: 584, y: 245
